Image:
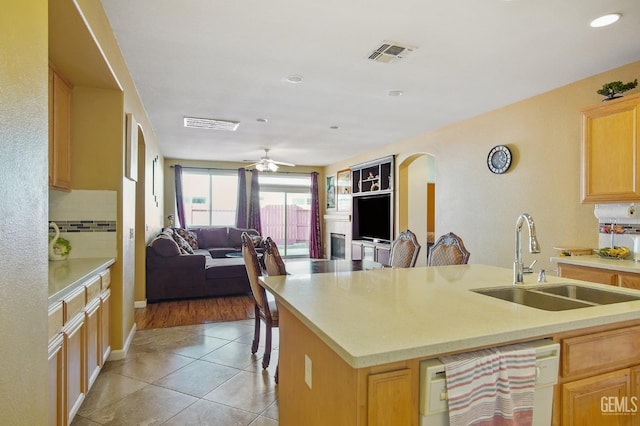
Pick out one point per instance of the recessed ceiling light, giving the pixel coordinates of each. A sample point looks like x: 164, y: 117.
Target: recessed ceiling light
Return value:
x: 334, y: 127
x: 295, y: 79
x: 396, y: 93
x: 261, y: 120
x: 605, y: 20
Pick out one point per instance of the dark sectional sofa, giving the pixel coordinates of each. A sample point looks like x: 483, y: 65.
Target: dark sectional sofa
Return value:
x: 192, y: 263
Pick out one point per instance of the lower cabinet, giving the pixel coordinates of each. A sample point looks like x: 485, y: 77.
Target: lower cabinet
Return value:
x: 368, y: 250
x: 599, y: 379
x: 390, y: 389
x: 598, y: 275
x: 57, y: 413
x: 78, y: 346
x: 606, y: 397
x: 75, y: 341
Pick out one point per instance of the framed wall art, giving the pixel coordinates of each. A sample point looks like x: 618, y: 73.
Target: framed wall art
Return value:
x: 343, y: 190
x: 331, y: 192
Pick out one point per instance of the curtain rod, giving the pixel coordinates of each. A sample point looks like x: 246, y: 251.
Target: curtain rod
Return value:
x: 236, y: 169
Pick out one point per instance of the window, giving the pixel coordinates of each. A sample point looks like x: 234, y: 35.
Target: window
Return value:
x: 210, y: 197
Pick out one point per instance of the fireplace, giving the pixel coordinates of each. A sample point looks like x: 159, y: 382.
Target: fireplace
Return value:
x: 337, y: 246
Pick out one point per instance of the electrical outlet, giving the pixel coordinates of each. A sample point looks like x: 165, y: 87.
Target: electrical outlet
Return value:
x: 307, y: 370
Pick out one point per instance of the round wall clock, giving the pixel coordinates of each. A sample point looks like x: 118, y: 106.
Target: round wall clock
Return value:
x: 499, y: 159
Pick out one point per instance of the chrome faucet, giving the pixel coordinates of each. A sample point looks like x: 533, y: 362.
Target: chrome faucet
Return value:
x: 534, y: 246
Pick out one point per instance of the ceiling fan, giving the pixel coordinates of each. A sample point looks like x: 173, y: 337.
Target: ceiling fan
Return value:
x: 266, y: 163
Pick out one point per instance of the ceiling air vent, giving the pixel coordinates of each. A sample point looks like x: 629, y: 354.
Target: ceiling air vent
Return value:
x: 210, y: 123
x: 390, y: 52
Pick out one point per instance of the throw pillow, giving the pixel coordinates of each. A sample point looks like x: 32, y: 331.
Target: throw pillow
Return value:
x: 165, y: 246
x: 185, y: 248
x: 189, y: 236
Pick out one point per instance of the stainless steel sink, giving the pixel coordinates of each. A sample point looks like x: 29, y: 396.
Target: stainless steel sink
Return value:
x: 588, y: 294
x: 533, y: 299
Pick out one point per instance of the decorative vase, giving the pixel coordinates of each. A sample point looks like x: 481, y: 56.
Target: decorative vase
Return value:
x: 59, y: 248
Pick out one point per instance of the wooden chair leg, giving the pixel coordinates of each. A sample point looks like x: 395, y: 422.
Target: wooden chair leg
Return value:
x: 256, y: 333
x: 277, y: 370
x: 267, y: 345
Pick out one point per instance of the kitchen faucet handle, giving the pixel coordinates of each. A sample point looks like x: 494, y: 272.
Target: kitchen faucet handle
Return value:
x: 529, y: 269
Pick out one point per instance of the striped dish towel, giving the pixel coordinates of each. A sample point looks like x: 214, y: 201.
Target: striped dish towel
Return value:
x: 492, y: 386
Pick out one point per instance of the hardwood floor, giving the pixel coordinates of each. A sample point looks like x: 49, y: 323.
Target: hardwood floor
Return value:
x: 195, y: 311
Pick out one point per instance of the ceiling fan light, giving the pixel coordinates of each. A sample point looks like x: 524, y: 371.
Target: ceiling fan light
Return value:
x: 272, y: 167
x: 260, y: 167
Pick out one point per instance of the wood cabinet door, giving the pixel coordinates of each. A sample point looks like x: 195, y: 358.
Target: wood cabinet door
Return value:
x: 94, y: 342
x: 56, y: 377
x: 59, y: 132
x: 610, y: 156
x: 597, y: 400
x: 390, y: 399
x: 629, y: 281
x: 105, y: 325
x: 584, y: 273
x: 75, y: 361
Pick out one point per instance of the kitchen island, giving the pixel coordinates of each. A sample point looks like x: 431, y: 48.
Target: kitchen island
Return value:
x: 351, y: 342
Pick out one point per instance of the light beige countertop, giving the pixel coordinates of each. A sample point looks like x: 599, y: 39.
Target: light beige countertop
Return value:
x: 66, y: 275
x: 596, y: 261
x: 386, y: 315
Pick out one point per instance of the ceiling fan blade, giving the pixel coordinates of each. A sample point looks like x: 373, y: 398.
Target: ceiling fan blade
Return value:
x: 281, y: 163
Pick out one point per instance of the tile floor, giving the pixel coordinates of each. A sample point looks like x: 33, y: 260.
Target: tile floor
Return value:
x: 189, y: 375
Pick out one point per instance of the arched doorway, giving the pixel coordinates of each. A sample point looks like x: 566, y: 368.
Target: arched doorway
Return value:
x: 416, y: 199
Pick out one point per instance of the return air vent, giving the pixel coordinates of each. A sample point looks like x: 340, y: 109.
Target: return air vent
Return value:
x: 390, y: 52
x: 210, y: 123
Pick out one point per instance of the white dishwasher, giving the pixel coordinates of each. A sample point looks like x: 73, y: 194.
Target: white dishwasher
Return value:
x: 433, y: 390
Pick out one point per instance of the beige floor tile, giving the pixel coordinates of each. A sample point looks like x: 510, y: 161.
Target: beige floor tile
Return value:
x: 264, y: 421
x: 151, y: 405
x: 228, y: 330
x: 107, y: 389
x: 237, y: 355
x: 271, y: 411
x: 248, y: 391
x: 212, y: 362
x: 150, y: 366
x: 204, y: 413
x: 198, y: 378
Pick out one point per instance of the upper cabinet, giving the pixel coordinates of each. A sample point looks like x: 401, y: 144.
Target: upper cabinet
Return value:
x: 59, y: 132
x: 373, y: 177
x: 611, y: 151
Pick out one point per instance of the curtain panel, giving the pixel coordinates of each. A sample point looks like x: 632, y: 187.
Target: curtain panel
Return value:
x: 254, y: 203
x: 241, y: 208
x: 315, y: 237
x: 182, y: 220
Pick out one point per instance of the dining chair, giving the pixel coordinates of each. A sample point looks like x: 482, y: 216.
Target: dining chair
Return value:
x: 404, y: 250
x: 271, y: 257
x: 448, y: 250
x: 266, y: 308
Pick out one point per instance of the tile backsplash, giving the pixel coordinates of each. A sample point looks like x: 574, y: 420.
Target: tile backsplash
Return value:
x: 87, y: 219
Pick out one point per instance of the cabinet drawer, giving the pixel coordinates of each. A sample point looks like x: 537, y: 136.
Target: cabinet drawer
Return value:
x: 74, y: 303
x: 599, y: 352
x: 93, y: 289
x: 56, y: 320
x: 105, y: 277
x: 594, y: 275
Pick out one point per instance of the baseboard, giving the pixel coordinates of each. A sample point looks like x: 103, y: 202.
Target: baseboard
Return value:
x: 140, y: 303
x: 119, y: 354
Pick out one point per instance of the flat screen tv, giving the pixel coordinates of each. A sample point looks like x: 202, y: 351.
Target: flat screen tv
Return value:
x: 372, y: 217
